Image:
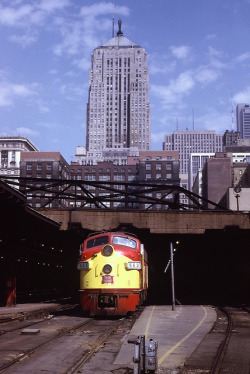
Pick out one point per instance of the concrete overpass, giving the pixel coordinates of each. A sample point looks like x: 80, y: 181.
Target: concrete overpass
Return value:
x: 157, y: 222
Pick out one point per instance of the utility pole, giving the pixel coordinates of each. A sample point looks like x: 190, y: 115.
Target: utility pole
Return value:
x: 172, y: 275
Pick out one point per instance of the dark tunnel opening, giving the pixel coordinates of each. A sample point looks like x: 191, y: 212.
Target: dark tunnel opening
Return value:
x: 208, y: 269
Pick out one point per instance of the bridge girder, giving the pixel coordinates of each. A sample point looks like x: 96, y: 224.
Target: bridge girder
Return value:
x: 156, y: 222
x: 129, y: 195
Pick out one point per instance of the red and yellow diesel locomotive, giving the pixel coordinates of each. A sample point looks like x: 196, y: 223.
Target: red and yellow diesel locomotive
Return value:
x: 113, y: 274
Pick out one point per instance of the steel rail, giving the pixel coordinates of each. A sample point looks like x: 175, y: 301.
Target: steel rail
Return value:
x: 95, y: 348
x: 34, y: 349
x: 223, y: 347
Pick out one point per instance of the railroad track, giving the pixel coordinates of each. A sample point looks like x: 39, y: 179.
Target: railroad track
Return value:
x: 34, y: 349
x: 85, y: 338
x: 223, y: 347
x: 238, y: 328
x: 96, y: 347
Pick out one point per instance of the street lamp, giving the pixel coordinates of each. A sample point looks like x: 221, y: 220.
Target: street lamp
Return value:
x: 237, y: 191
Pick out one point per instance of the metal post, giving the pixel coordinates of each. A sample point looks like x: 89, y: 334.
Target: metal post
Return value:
x: 237, y: 200
x: 237, y: 191
x: 172, y: 275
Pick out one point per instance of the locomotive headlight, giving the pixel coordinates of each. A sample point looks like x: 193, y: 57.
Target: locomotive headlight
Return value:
x: 107, y: 269
x: 133, y: 265
x: 84, y: 265
x: 107, y: 250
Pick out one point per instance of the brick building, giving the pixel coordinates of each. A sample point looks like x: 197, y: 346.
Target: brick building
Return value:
x: 44, y: 165
x: 118, y: 180
x: 149, y: 166
x: 216, y: 176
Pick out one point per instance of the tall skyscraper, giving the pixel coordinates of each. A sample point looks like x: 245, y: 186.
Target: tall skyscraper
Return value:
x: 118, y: 109
x: 243, y: 120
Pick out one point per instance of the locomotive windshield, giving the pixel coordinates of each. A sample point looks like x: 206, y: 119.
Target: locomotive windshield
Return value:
x: 124, y: 241
x: 97, y: 241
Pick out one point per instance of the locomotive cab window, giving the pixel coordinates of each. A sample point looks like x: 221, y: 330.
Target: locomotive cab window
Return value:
x: 120, y: 240
x: 97, y: 241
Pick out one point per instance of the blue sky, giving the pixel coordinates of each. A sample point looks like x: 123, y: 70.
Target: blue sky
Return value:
x: 198, y: 56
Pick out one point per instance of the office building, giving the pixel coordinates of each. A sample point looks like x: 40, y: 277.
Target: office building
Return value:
x: 11, y: 148
x: 243, y: 120
x: 192, y: 141
x: 188, y: 142
x: 118, y: 108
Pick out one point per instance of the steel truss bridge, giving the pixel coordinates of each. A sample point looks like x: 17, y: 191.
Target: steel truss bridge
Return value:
x: 82, y: 194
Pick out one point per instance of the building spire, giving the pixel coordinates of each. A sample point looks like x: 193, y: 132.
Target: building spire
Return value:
x: 113, y: 24
x: 119, y: 33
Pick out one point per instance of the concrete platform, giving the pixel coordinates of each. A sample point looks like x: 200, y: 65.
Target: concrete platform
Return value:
x: 178, y: 334
x: 26, y: 309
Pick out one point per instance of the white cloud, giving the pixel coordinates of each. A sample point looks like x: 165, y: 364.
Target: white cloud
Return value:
x: 160, y: 64
x: 27, y: 131
x: 80, y: 36
x: 72, y: 91
x: 13, y: 16
x: 181, y: 52
x: 242, y: 96
x: 52, y: 5
x: 42, y: 107
x: 83, y: 63
x: 29, y: 17
x: 211, y: 36
x: 11, y: 91
x: 72, y: 39
x: 33, y: 13
x: 212, y: 52
x: 184, y: 83
x: 214, y: 120
x: 101, y: 8
x: 206, y: 75
x: 25, y: 40
x: 243, y: 57
x: 176, y: 90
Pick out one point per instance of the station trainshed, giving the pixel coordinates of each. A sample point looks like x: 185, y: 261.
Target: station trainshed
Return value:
x: 34, y: 253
